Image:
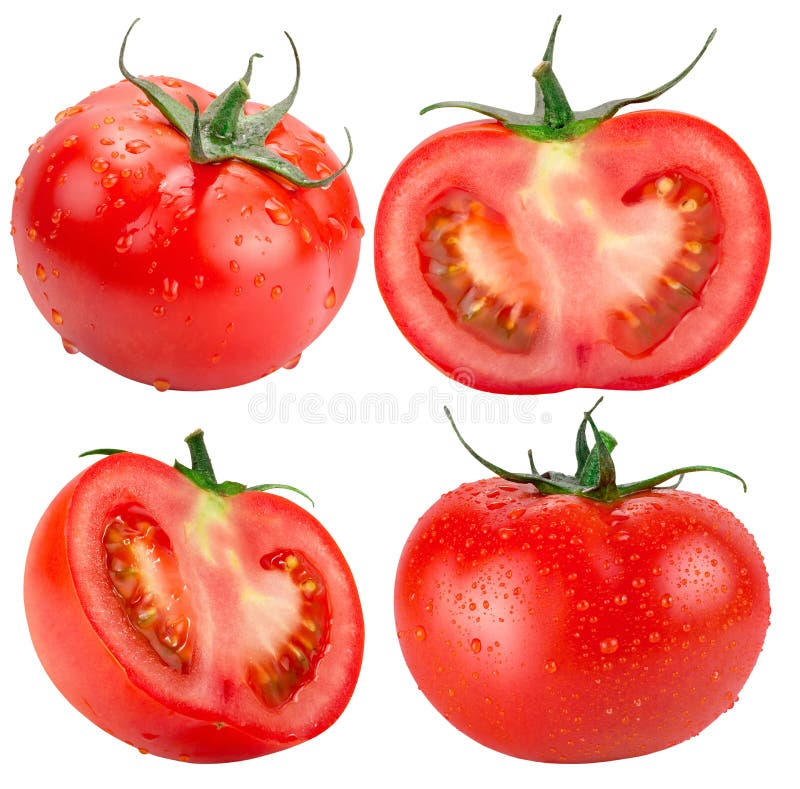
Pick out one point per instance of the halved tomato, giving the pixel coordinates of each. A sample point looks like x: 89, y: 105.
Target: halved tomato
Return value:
x: 538, y: 253
x: 193, y: 621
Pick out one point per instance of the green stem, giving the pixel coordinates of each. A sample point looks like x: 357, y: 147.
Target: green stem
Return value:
x: 557, y: 112
x: 223, y: 131
x: 596, y: 477
x: 553, y: 118
x: 201, y: 462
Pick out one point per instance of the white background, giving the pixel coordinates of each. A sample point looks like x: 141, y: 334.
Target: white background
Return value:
x: 371, y: 68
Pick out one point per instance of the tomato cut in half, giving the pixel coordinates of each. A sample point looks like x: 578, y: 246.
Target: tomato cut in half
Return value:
x: 207, y: 619
x: 616, y: 252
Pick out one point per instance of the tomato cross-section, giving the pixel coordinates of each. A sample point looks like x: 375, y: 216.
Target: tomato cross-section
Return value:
x: 571, y: 249
x: 547, y: 266
x: 218, y: 627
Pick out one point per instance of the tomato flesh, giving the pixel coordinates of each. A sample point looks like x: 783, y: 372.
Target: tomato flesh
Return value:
x: 625, y: 259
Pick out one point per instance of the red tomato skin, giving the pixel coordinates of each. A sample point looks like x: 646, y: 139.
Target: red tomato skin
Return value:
x: 560, y: 630
x: 493, y: 164
x: 189, y: 276
x: 122, y: 698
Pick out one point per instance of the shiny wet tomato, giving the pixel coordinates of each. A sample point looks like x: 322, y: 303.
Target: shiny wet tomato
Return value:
x: 537, y: 253
x: 570, y: 620
x: 195, y: 620
x: 185, y: 258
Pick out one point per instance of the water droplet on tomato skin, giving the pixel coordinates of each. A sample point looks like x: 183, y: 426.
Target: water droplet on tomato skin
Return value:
x: 58, y: 319
x: 69, y: 347
x: 169, y: 291
x: 40, y: 272
x: 608, y: 646
x: 330, y: 299
x: 323, y: 171
x: 550, y: 667
x: 161, y: 384
x: 277, y: 292
x: 124, y: 243
x: 277, y: 211
x: 292, y: 363
x: 475, y: 645
x: 357, y: 227
x: 100, y: 165
x: 337, y: 228
x: 136, y: 146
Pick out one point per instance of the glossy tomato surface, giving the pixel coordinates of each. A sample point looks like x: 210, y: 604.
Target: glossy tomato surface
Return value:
x: 624, y: 259
x: 558, y: 629
x: 176, y: 274
x: 191, y: 625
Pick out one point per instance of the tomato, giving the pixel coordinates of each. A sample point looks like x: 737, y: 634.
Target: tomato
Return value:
x: 170, y: 262
x: 582, y: 624
x: 194, y: 620
x: 537, y: 253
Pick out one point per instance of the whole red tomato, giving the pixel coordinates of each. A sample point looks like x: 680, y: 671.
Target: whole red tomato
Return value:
x: 536, y: 253
x: 582, y: 621
x: 190, y: 618
x: 182, y: 251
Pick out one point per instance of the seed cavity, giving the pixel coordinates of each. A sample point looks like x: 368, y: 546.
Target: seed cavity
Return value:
x: 636, y: 328
x: 277, y: 674
x: 472, y: 264
x: 145, y: 576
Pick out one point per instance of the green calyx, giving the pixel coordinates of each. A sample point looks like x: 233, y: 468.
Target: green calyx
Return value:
x: 595, y: 477
x: 553, y: 118
x: 201, y: 472
x: 223, y: 131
